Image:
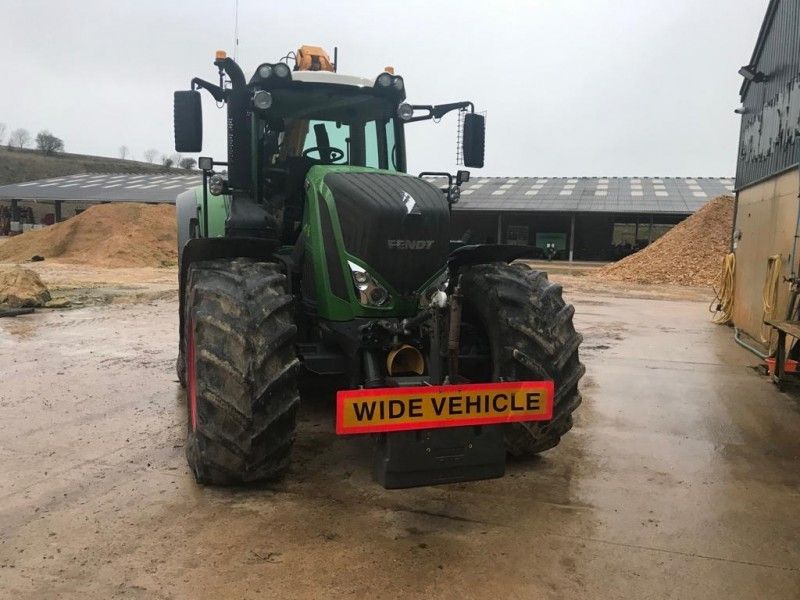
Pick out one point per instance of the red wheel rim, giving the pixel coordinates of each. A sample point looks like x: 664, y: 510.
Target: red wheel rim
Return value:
x: 191, y: 378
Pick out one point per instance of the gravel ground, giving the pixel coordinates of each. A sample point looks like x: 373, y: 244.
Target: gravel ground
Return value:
x: 679, y: 479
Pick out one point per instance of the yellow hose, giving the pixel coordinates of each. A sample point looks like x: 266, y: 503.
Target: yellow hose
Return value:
x: 769, y: 295
x: 722, y: 305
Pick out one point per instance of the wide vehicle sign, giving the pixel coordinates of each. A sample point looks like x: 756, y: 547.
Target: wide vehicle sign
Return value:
x: 427, y: 407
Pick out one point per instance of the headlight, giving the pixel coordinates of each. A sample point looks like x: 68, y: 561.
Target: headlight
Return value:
x: 405, y: 111
x: 384, y: 80
x: 262, y: 100
x: 370, y: 292
x: 361, y: 278
x: 265, y: 71
x: 378, y: 296
x: 398, y: 84
x: 281, y: 70
x: 215, y: 185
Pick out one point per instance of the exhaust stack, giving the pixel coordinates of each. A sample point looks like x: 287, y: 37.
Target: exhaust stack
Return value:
x: 405, y: 359
x: 238, y: 101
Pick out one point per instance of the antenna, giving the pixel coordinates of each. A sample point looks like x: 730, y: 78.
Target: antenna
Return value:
x: 236, y: 30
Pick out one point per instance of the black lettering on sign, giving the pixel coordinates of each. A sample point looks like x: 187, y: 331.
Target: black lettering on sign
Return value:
x: 455, y: 405
x: 382, y: 411
x: 473, y: 404
x: 364, y: 409
x: 438, y: 405
x: 495, y: 403
x: 532, y: 400
x: 415, y: 407
x: 514, y: 405
x: 396, y: 409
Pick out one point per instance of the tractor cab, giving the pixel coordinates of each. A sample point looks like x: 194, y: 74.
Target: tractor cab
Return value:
x: 319, y: 119
x: 283, y: 122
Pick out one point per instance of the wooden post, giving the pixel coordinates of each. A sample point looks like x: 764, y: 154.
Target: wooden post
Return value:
x: 57, y: 210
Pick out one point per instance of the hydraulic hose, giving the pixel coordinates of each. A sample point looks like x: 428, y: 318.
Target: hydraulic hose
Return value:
x: 722, y: 304
x: 769, y: 295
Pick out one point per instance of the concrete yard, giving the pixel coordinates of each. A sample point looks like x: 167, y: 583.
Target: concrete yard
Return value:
x: 679, y: 480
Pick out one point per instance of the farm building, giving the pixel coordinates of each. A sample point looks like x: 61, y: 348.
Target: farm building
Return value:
x: 580, y: 218
x: 585, y: 218
x: 767, y: 210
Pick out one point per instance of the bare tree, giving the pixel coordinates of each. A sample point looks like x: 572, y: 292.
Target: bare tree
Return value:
x: 150, y: 155
x: 2, y: 132
x: 123, y: 152
x: 166, y: 161
x: 187, y: 163
x: 176, y: 158
x: 19, y: 138
x: 48, y: 144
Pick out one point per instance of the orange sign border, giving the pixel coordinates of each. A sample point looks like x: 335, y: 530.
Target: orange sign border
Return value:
x: 342, y: 396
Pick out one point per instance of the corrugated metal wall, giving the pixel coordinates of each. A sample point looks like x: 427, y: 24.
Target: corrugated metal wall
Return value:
x: 765, y: 220
x: 770, y: 132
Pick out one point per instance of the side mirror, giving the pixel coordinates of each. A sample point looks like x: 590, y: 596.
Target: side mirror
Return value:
x: 462, y: 177
x: 188, y: 119
x: 474, y: 140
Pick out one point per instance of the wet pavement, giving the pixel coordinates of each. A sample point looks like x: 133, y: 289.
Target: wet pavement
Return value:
x: 679, y: 480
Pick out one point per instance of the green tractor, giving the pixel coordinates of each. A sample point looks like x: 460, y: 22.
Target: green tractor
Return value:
x: 312, y: 252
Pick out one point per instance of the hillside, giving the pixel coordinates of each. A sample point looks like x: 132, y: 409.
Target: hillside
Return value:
x: 27, y: 165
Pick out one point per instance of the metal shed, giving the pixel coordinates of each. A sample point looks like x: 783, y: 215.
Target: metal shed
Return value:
x: 585, y: 218
x: 84, y: 189
x: 767, y: 182
x: 588, y: 218
x: 770, y: 95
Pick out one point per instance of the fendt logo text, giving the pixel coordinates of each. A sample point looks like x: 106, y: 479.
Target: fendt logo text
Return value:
x: 410, y: 244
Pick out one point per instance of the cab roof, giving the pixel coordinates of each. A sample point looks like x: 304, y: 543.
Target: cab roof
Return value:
x: 331, y: 78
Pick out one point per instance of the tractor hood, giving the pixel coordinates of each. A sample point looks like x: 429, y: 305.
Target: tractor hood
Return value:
x: 396, y: 224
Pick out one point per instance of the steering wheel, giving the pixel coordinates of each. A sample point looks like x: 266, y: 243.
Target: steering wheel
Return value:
x: 334, y: 154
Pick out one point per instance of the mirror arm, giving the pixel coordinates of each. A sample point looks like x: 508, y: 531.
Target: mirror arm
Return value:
x: 439, y: 110
x: 217, y: 92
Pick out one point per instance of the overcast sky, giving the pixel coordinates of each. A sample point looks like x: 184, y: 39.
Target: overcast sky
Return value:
x: 571, y: 87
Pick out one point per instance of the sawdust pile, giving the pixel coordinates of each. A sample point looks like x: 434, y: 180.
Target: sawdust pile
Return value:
x: 691, y: 253
x: 105, y: 235
x: 21, y: 288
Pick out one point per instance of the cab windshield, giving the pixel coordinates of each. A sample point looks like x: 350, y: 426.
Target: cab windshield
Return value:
x: 333, y: 126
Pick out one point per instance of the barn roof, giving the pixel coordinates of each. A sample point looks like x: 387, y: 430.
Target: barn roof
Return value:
x: 667, y: 195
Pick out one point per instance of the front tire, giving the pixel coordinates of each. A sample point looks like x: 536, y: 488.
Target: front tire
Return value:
x: 240, y: 368
x: 522, y: 321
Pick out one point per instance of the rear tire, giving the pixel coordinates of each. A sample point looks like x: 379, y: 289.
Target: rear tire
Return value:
x: 530, y: 335
x: 241, y: 371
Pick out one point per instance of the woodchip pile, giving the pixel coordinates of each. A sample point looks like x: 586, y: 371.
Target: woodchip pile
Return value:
x: 691, y: 253
x: 104, y: 235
